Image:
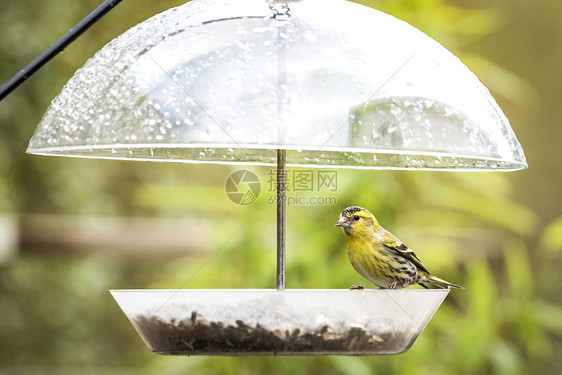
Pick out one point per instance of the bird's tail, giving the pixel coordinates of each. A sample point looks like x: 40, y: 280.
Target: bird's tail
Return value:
x: 441, y: 283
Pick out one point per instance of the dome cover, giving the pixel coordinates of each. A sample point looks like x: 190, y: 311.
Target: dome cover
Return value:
x: 334, y: 83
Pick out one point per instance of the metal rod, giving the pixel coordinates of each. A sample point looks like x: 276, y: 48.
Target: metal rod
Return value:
x: 281, y: 12
x: 57, y: 47
x: 281, y: 217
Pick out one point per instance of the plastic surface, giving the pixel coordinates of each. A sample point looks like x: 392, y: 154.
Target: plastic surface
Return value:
x: 229, y: 81
x: 269, y: 322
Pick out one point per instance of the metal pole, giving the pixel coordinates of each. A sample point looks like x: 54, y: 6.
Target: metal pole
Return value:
x: 281, y: 12
x: 281, y: 219
x: 57, y: 47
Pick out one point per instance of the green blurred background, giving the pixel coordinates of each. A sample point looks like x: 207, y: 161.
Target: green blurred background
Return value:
x: 70, y: 229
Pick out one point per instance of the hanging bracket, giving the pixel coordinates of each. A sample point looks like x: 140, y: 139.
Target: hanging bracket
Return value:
x: 56, y: 47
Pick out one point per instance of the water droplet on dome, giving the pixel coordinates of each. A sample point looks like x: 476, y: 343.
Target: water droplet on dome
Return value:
x: 280, y: 11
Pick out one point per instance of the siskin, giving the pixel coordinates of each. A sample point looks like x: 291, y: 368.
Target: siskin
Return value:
x: 379, y: 256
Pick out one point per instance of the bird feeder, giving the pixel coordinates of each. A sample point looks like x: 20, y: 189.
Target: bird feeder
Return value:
x: 315, y: 83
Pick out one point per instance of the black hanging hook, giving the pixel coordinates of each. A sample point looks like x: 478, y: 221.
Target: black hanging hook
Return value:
x: 57, y: 47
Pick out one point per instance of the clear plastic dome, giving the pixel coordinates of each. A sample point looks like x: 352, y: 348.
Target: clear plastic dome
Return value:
x: 229, y: 81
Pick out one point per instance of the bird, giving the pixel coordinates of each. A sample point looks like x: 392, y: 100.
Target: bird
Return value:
x: 380, y: 257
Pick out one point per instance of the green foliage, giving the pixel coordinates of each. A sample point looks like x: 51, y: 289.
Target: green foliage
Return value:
x: 552, y: 236
x: 451, y: 24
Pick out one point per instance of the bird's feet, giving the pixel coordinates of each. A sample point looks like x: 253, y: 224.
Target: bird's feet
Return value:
x: 356, y: 287
x: 392, y: 285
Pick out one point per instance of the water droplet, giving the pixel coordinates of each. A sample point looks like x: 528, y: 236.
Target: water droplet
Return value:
x: 280, y: 11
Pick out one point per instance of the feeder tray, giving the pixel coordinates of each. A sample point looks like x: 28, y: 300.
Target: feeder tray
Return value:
x: 271, y: 322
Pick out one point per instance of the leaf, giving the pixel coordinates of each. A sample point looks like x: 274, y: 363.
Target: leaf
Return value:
x: 351, y: 365
x: 550, y: 315
x: 494, y: 210
x: 518, y: 267
x: 551, y: 238
x: 503, y: 82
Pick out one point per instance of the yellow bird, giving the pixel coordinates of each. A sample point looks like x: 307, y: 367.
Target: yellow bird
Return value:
x: 379, y: 256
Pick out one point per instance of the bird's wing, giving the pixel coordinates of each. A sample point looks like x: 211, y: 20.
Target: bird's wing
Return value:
x: 399, y: 248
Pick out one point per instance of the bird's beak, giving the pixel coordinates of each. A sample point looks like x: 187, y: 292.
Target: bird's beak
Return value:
x: 340, y: 222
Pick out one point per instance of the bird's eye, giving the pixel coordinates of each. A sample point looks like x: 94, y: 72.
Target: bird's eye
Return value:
x: 356, y: 217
